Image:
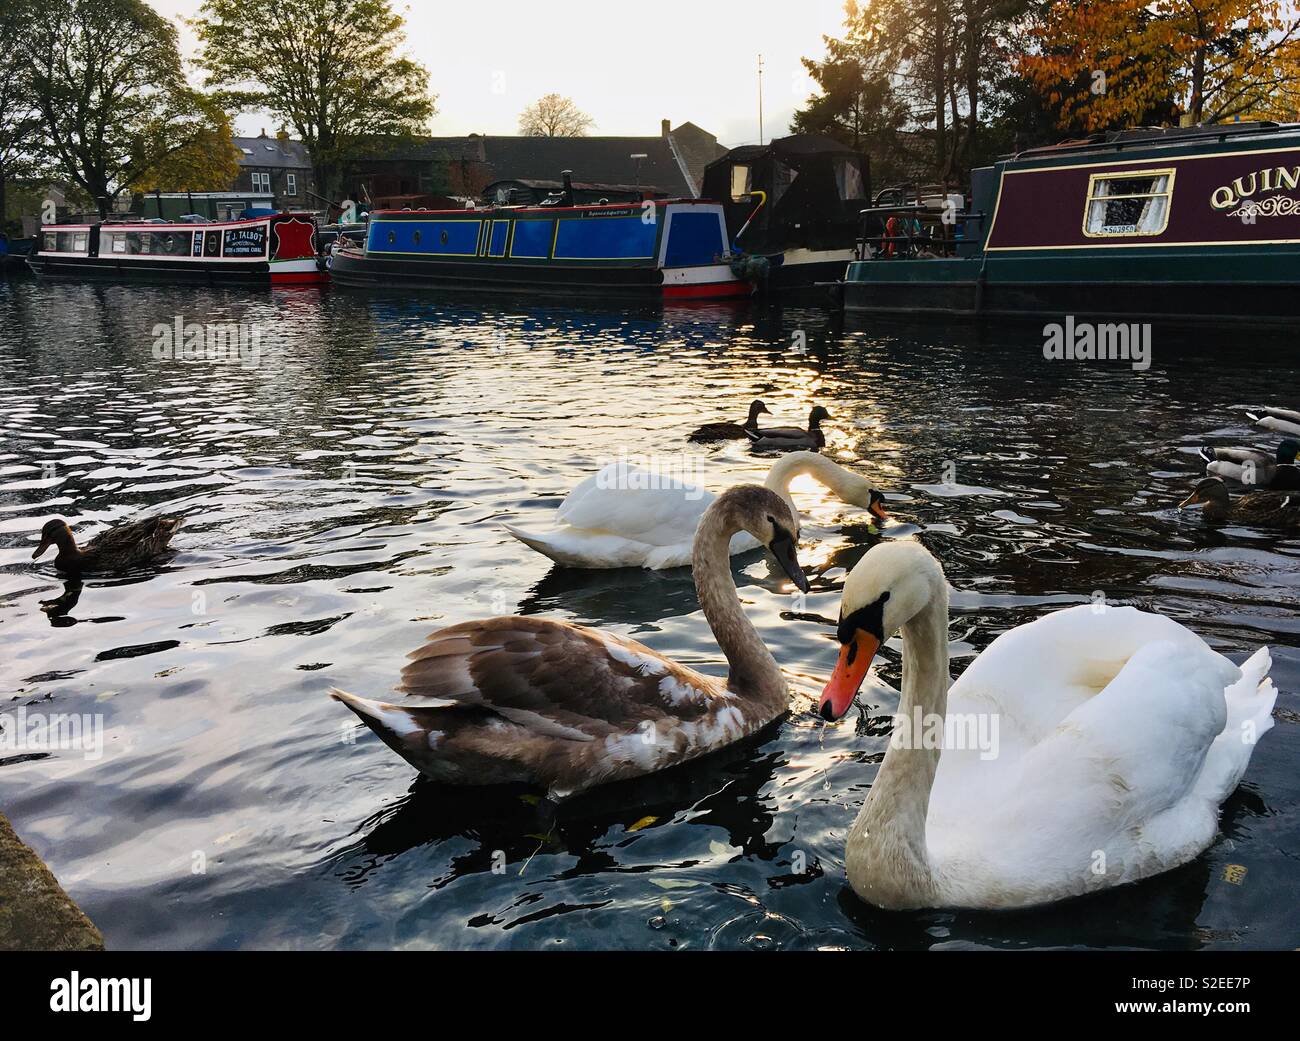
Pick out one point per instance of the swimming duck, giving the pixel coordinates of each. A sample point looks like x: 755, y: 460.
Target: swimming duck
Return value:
x: 1283, y: 420
x: 1253, y: 467
x: 119, y: 547
x: 730, y: 431
x: 1119, y: 734
x: 622, y: 517
x: 791, y: 438
x: 534, y: 700
x: 1266, y: 509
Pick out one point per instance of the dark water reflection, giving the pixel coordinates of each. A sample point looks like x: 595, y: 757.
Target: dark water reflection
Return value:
x: 343, y: 499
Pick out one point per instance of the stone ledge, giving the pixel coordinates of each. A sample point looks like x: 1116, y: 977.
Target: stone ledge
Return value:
x: 35, y: 913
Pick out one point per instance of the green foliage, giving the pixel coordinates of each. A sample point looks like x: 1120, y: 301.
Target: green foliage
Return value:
x: 329, y: 69
x: 106, y: 79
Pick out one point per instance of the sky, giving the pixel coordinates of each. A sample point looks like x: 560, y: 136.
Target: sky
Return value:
x: 681, y: 60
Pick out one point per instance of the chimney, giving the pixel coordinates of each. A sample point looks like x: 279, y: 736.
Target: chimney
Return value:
x: 664, y: 126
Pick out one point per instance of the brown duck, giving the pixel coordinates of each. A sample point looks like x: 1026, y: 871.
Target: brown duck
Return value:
x: 121, y: 546
x: 539, y: 701
x: 730, y: 431
x: 1265, y: 509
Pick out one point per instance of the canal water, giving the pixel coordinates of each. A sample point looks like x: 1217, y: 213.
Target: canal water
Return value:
x: 344, y: 481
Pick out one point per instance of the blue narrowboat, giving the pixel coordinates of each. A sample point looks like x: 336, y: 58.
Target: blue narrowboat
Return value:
x: 674, y: 248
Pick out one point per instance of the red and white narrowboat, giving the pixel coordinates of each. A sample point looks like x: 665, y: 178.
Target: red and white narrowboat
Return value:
x: 272, y: 250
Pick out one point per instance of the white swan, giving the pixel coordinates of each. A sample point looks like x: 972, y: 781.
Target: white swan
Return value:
x: 622, y: 517
x: 1119, y: 733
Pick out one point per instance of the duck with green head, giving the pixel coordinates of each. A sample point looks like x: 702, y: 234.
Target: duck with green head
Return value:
x: 1256, y: 468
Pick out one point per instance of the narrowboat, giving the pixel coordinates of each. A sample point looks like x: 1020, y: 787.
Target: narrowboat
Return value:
x: 272, y: 250
x: 658, y: 248
x: 792, y: 208
x: 1189, y: 223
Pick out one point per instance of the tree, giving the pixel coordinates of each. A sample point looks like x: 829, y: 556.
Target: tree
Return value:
x: 208, y: 163
x: 20, y: 118
x: 927, y: 66
x: 327, y: 68
x: 107, y: 81
x: 554, y: 116
x: 1106, y: 64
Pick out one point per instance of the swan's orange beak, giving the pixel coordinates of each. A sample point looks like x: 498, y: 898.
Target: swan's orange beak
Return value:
x: 850, y: 671
x: 877, y: 510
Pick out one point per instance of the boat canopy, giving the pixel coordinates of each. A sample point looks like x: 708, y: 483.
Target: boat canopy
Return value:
x: 814, y: 187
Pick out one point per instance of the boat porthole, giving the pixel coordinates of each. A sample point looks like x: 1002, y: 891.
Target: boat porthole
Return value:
x: 392, y: 237
x: 443, y: 238
x: 416, y: 237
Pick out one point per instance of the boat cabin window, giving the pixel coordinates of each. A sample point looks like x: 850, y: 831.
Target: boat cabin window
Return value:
x: 1128, y: 203
x: 848, y: 179
x: 64, y: 241
x: 147, y: 243
x: 741, y: 182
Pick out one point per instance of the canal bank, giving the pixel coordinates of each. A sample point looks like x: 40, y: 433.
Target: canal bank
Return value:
x: 35, y: 913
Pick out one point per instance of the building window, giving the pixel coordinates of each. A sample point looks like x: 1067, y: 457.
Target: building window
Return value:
x: 290, y: 184
x: 1134, y: 202
x: 261, y: 182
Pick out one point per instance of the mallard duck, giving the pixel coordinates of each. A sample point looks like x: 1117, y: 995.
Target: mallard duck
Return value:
x: 1253, y: 466
x: 539, y: 701
x: 792, y: 438
x: 730, y: 431
x: 1283, y: 420
x: 621, y: 517
x: 119, y: 547
x: 1265, y: 509
x: 1118, y: 735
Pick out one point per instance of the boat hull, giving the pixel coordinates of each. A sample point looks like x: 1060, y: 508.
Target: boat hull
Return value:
x: 1248, y: 285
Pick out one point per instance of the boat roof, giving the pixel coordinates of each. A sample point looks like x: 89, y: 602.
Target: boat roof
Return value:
x: 459, y: 212
x: 1156, y: 137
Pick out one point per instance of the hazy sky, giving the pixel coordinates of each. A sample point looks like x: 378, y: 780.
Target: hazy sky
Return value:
x: 675, y: 59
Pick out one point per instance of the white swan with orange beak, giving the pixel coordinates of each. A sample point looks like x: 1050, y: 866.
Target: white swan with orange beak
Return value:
x: 1119, y: 735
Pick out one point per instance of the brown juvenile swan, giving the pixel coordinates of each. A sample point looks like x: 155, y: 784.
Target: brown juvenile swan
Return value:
x: 519, y: 699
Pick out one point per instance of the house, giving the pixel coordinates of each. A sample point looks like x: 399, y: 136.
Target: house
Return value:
x: 670, y: 165
x: 277, y: 165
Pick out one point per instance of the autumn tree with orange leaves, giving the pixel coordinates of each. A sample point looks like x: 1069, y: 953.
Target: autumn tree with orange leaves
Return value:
x: 1106, y: 63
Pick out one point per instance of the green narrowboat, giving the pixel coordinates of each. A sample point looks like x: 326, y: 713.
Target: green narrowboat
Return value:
x: 1193, y: 223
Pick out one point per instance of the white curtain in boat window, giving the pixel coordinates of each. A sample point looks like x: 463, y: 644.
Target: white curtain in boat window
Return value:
x: 1133, y: 204
x: 1155, y: 210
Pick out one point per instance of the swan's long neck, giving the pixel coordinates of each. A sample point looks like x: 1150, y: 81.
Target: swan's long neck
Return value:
x: 886, y: 852
x: 844, y: 483
x: 754, y: 672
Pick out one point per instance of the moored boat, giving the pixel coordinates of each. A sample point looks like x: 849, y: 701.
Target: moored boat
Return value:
x: 1194, y: 223
x: 277, y: 249
x: 670, y: 248
x: 792, y: 208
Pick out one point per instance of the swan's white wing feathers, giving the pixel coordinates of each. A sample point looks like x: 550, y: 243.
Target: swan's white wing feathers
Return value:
x: 622, y: 500
x: 1126, y: 782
